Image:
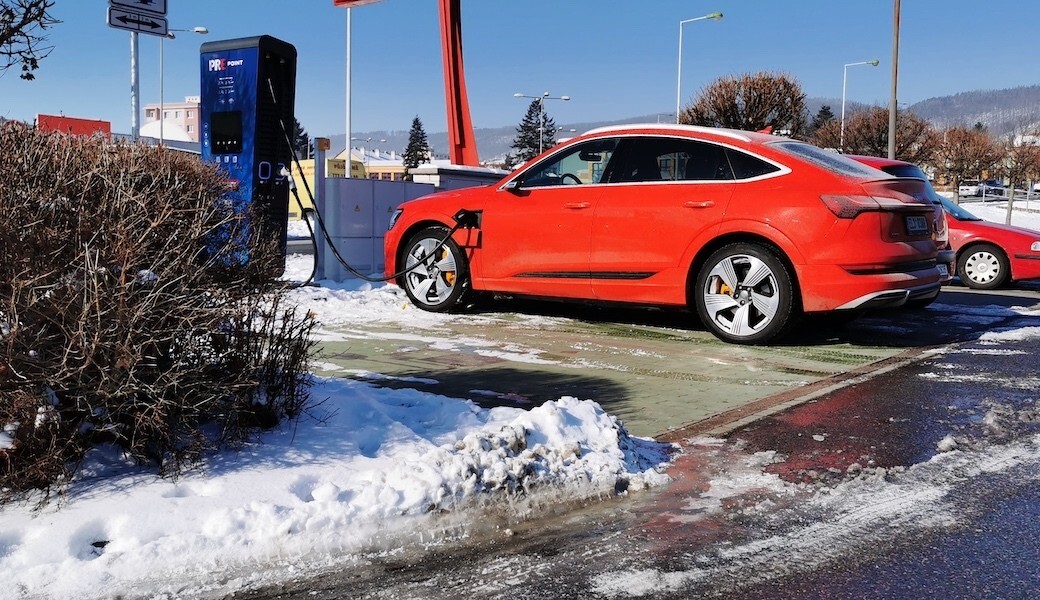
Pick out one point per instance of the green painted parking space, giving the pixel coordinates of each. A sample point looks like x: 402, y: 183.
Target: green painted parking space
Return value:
x: 654, y: 378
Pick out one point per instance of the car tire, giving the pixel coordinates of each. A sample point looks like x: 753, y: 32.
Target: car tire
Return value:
x: 744, y: 294
x: 983, y: 267
x: 437, y: 277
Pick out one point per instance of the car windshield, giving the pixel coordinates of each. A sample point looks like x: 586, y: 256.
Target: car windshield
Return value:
x: 830, y: 160
x: 957, y: 211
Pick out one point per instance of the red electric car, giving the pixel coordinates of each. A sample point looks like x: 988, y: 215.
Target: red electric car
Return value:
x: 946, y: 258
x: 750, y: 230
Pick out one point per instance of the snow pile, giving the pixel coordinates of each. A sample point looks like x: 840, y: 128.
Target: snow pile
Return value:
x: 376, y: 469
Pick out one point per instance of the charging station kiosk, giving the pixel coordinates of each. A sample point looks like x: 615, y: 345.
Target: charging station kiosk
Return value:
x: 247, y: 97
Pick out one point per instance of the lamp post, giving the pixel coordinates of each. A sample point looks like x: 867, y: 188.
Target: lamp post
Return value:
x: 893, y: 106
x: 715, y: 16
x: 844, y: 80
x: 541, y: 112
x: 162, y: 45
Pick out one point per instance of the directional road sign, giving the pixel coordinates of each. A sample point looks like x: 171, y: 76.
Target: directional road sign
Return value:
x: 157, y: 7
x: 137, y: 21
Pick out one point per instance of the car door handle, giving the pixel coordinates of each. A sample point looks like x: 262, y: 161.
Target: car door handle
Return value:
x: 577, y: 205
x: 699, y: 204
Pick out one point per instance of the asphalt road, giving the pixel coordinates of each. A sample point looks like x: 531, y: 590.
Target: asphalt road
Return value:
x: 915, y: 479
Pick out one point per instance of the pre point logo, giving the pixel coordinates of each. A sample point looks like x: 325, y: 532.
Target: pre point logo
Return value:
x: 222, y: 64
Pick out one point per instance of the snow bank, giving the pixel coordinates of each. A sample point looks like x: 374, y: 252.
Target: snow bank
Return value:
x: 378, y: 467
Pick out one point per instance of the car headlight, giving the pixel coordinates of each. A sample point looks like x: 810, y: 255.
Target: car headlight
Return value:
x: 393, y: 218
x: 1035, y: 247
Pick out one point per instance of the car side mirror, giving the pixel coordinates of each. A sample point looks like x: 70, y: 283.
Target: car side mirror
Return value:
x: 512, y: 186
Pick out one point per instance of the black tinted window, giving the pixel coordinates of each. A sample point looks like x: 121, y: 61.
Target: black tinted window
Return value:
x: 672, y: 159
x: 746, y: 166
x: 830, y: 160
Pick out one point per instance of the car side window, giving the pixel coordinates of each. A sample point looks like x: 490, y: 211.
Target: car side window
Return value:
x: 581, y: 164
x: 672, y: 159
x: 746, y: 166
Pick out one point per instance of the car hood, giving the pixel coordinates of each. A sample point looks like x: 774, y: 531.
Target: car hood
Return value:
x: 991, y: 226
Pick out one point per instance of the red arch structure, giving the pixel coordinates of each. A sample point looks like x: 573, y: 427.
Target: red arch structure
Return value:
x: 462, y: 146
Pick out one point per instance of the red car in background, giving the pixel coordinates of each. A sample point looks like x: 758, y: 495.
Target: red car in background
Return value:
x: 990, y: 255
x: 986, y: 255
x: 748, y: 230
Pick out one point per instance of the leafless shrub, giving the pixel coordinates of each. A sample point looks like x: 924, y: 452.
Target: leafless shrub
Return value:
x: 751, y: 102
x: 125, y: 316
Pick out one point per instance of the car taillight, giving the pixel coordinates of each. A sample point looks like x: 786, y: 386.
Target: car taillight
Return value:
x: 848, y: 207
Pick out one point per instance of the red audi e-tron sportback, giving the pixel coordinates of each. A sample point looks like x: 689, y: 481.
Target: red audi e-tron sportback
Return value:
x: 749, y: 230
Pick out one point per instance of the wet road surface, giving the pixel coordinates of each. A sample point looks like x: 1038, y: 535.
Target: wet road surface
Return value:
x: 918, y: 482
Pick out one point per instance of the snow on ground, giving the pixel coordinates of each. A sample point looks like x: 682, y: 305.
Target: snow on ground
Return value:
x: 369, y: 469
x: 1026, y: 213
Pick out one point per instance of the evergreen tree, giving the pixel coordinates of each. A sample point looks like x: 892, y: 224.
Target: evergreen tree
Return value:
x: 418, y: 150
x: 528, y: 133
x: 301, y: 142
x: 824, y: 116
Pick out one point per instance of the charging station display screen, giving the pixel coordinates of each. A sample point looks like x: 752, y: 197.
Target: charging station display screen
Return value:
x: 226, y: 132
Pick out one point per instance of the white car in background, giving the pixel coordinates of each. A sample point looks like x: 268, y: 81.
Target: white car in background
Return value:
x: 969, y: 187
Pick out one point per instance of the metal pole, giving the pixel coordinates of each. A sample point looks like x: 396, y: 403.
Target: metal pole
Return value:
x: 162, y: 112
x: 135, y: 90
x: 541, y: 123
x: 893, y: 107
x: 349, y: 159
x: 678, y: 78
x: 841, y: 137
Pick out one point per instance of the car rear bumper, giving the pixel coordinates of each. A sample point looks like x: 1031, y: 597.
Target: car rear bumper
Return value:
x: 892, y: 298
x: 949, y: 259
x: 832, y: 287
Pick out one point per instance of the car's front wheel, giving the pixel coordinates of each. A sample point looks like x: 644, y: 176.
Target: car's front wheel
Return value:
x: 745, y: 294
x: 983, y: 267
x: 437, y: 272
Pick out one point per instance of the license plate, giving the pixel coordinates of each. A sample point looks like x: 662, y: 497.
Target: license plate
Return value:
x: 943, y: 272
x: 917, y: 225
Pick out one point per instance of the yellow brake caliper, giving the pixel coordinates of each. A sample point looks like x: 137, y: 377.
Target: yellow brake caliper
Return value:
x: 449, y: 276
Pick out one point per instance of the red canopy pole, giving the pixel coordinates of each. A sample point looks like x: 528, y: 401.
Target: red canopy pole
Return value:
x: 462, y: 146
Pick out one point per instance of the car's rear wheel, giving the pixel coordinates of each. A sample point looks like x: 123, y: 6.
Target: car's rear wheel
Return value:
x: 983, y: 267
x: 745, y: 294
x: 437, y: 276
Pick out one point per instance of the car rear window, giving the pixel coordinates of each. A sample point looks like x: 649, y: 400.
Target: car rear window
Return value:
x: 830, y: 160
x: 915, y: 172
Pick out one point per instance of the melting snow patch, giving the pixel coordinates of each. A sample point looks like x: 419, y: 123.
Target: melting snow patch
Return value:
x: 381, y: 469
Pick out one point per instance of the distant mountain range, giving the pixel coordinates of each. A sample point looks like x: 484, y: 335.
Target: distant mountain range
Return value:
x: 1001, y: 111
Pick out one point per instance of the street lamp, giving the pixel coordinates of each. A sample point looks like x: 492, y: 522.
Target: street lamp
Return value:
x: 844, y: 80
x: 715, y: 16
x: 541, y: 111
x: 162, y: 45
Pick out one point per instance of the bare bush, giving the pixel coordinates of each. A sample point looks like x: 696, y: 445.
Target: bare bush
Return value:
x: 750, y: 102
x: 866, y: 133
x: 125, y: 313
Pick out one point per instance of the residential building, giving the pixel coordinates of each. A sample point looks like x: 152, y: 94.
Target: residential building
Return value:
x: 181, y: 115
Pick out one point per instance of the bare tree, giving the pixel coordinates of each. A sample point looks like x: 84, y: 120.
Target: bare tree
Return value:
x: 866, y: 133
x: 22, y: 38
x: 964, y: 153
x: 1020, y: 161
x: 751, y: 102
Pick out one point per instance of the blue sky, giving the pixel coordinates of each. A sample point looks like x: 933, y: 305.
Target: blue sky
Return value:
x: 614, y: 58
